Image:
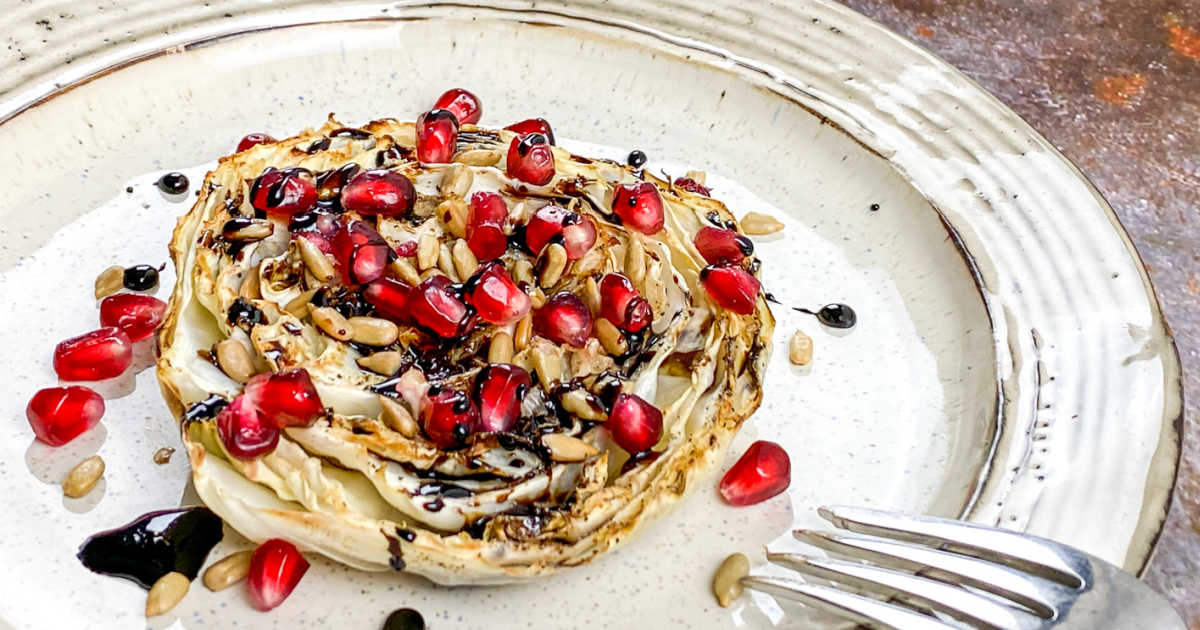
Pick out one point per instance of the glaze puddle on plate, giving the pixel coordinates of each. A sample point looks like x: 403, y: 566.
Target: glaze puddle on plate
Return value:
x: 828, y: 416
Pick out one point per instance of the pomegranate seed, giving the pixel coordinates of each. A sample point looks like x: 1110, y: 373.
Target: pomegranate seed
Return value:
x: 407, y: 249
x: 576, y: 232
x: 437, y: 135
x: 318, y: 239
x: 564, y: 319
x: 244, y: 431
x: 464, y: 105
x: 635, y: 424
x: 691, y: 185
x: 137, y: 315
x: 448, y: 416
x: 287, y: 192
x: 285, y: 399
x: 621, y: 304
x: 762, y: 472
x: 719, y: 246
x: 435, y: 306
x: 95, y: 356
x: 533, y: 125
x: 485, y: 226
x: 390, y: 298
x: 275, y: 569
x: 500, y: 388
x: 361, y: 253
x: 639, y: 206
x: 59, y: 414
x: 530, y: 159
x: 731, y: 287
x: 252, y: 140
x: 379, y: 191
x: 495, y: 296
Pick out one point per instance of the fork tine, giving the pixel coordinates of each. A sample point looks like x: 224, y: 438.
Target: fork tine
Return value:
x: 1034, y: 593
x: 1038, y: 556
x: 846, y: 605
x: 952, y: 600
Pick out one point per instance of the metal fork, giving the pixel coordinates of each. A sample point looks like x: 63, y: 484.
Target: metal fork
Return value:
x: 925, y: 573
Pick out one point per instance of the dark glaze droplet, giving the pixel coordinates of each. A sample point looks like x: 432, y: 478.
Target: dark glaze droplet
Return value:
x: 140, y: 278
x: 404, y: 619
x: 172, y: 183
x: 528, y: 142
x: 207, y: 408
x: 636, y: 158
x: 154, y: 545
x: 874, y: 207
x: 833, y: 315
x: 245, y: 315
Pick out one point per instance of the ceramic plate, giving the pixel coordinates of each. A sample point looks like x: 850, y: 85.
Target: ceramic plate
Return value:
x: 1010, y: 364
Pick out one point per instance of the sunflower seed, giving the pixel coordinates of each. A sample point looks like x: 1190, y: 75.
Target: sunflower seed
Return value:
x: 522, y: 271
x: 235, y: 360
x: 446, y: 262
x: 800, y: 349
x: 453, y: 214
x: 429, y: 273
x: 564, y: 448
x: 521, y: 213
x: 331, y: 322
x: 109, y: 281
x: 298, y: 307
x: 456, y: 180
x: 385, y: 363
x: 316, y: 260
x: 251, y: 288
x: 427, y: 251
x: 553, y: 262
x: 478, y: 157
x: 537, y: 298
x: 500, y: 350
x: 591, y: 295
x: 549, y: 367
x: 397, y: 417
x: 405, y: 271
x: 228, y: 571
x: 726, y: 584
x: 610, y: 337
x: 465, y: 262
x: 757, y: 223
x: 247, y: 230
x: 83, y: 477
x: 373, y: 331
x: 635, y: 260
x: 581, y: 403
x: 523, y: 332
x: 166, y: 593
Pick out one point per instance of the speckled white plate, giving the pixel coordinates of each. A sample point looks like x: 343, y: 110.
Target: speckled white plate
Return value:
x: 1010, y: 364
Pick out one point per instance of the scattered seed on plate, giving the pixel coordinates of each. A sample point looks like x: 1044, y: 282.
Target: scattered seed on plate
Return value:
x: 726, y: 582
x: 385, y: 363
x: 83, y: 477
x: 163, y: 455
x: 800, y: 349
x: 228, y: 571
x: 109, y: 281
x: 757, y: 223
x: 168, y: 591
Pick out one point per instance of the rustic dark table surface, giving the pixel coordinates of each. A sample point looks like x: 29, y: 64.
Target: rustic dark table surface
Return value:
x: 1115, y: 85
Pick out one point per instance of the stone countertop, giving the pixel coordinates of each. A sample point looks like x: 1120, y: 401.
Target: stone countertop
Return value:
x: 1115, y: 85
